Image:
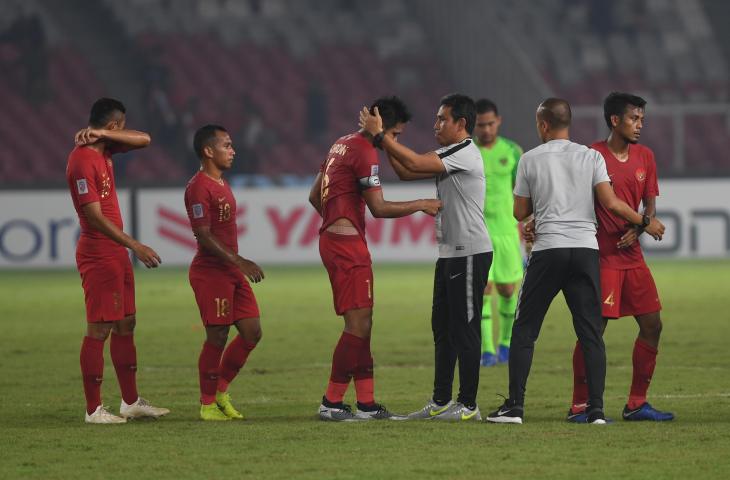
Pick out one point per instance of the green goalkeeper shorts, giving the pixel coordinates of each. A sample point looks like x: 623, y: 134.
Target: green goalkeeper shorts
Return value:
x: 507, y: 262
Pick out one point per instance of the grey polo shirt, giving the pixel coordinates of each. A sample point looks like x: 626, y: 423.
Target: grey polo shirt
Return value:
x: 460, y: 227
x: 559, y: 177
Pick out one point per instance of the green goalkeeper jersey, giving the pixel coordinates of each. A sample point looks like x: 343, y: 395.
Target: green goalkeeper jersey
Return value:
x: 500, y: 170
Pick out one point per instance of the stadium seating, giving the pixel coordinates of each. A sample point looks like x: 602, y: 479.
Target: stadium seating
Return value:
x: 286, y: 86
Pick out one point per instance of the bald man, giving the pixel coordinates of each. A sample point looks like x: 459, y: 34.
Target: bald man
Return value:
x: 556, y: 182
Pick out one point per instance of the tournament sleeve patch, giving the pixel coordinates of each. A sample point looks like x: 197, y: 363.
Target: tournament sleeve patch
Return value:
x: 198, y: 210
x: 81, y: 186
x: 374, y: 169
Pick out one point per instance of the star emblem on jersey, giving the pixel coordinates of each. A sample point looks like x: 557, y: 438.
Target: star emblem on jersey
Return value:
x: 640, y: 174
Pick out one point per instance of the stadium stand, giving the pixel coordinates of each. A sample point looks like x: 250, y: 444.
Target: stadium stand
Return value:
x: 286, y: 87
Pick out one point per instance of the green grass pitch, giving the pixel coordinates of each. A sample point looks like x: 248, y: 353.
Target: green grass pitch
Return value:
x: 42, y: 434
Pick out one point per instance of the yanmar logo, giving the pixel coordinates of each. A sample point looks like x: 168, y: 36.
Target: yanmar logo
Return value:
x: 175, y: 226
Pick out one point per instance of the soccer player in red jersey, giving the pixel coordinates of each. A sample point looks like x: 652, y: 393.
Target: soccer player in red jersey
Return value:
x: 103, y: 262
x: 347, y: 181
x: 218, y: 275
x: 626, y: 282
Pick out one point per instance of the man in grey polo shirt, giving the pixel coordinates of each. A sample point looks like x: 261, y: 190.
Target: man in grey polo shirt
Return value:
x: 557, y: 182
x: 465, y: 251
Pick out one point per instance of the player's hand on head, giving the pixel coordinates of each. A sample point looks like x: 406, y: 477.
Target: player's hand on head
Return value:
x: 252, y: 271
x: 371, y: 123
x: 87, y: 136
x: 431, y: 206
x: 628, y: 238
x: 147, y: 256
x: 655, y: 229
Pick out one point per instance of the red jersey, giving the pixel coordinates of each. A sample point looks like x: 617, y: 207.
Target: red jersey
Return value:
x: 211, y: 203
x: 351, y: 167
x: 90, y: 179
x: 632, y: 181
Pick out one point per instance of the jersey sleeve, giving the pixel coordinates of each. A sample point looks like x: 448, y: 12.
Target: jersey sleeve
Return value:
x: 452, y: 160
x: 652, y: 183
x: 84, y: 181
x: 522, y: 186
x: 367, y: 169
x: 600, y: 174
x: 197, y: 204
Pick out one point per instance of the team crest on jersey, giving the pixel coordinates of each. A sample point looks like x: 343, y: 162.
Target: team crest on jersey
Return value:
x: 503, y: 161
x: 198, y: 210
x: 640, y: 174
x: 82, y: 186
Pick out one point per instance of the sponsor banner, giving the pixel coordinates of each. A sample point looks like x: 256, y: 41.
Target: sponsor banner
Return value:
x: 279, y: 225
x: 696, y: 214
x: 39, y: 228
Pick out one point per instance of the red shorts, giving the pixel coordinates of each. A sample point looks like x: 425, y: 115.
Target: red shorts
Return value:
x: 347, y: 260
x: 628, y: 292
x: 108, y: 283
x: 223, y: 295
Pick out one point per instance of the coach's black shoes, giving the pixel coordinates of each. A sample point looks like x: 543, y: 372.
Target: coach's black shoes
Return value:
x: 596, y: 417
x: 509, y: 412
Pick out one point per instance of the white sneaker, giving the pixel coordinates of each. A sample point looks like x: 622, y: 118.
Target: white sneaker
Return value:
x: 102, y: 415
x: 141, y: 408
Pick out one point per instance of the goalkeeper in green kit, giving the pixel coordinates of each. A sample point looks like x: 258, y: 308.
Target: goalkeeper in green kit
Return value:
x: 500, y: 158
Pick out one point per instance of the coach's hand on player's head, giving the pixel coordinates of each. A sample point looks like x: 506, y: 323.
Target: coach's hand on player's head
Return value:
x: 371, y: 123
x: 629, y: 237
x: 431, y: 206
x: 252, y: 271
x: 655, y: 229
x: 87, y: 136
x: 146, y: 255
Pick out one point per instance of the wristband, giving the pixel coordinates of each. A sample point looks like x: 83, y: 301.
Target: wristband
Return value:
x: 378, y: 140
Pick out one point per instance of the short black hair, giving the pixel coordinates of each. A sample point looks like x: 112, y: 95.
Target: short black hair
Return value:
x: 392, y: 110
x: 616, y: 103
x: 556, y: 112
x: 461, y: 107
x: 103, y: 110
x: 484, y: 105
x: 203, y: 136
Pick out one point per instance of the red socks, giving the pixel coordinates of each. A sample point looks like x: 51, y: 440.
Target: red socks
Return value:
x: 644, y: 360
x: 344, y: 363
x: 364, y: 383
x: 92, y: 371
x: 208, y: 372
x: 580, y: 384
x: 124, y: 358
x: 234, y: 359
